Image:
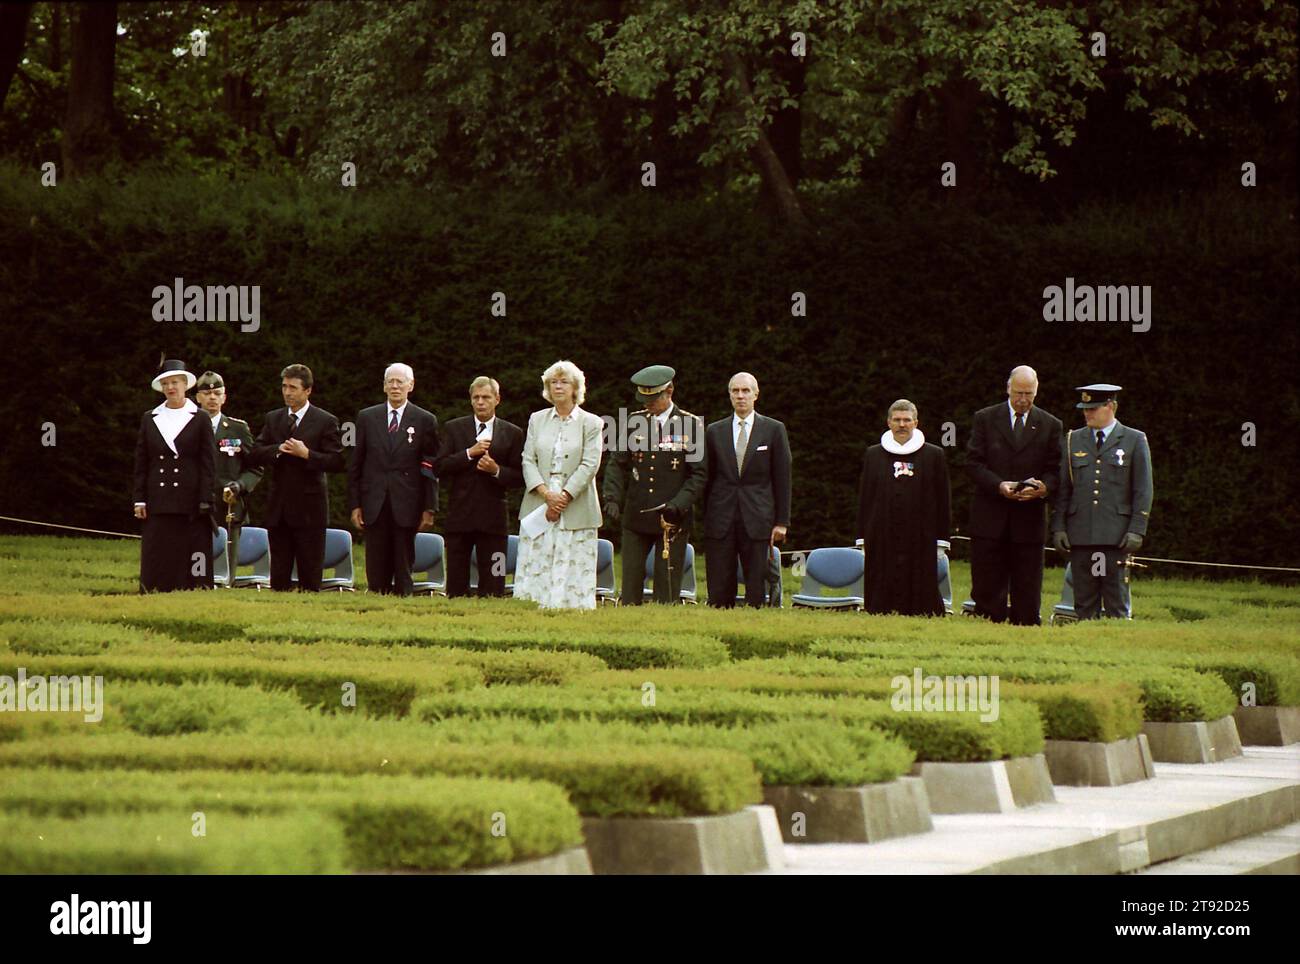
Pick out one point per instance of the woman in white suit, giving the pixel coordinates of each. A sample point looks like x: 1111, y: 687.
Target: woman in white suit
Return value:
x: 556, y: 567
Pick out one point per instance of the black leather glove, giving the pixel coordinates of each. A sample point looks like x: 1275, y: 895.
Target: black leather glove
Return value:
x: 612, y: 511
x: 672, y: 515
x: 1061, y: 543
x: 1131, y: 542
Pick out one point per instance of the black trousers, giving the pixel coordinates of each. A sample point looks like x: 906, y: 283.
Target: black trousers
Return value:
x: 390, y: 551
x: 1098, y: 578
x: 304, y: 545
x: 753, y: 555
x: 999, y: 566
x: 490, y: 550
x: 667, y: 587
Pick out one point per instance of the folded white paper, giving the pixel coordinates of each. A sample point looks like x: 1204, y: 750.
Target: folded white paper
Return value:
x: 535, y: 523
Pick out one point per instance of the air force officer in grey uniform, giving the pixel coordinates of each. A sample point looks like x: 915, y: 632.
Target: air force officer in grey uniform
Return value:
x: 1103, y: 502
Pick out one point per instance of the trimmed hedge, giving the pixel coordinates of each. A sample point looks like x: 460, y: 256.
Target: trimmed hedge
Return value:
x: 951, y: 736
x: 792, y: 752
x: 1183, y: 696
x: 300, y: 842
x: 1094, y: 711
x: 87, y: 637
x: 380, y: 689
x: 388, y: 822
x: 614, y: 649
x: 650, y: 781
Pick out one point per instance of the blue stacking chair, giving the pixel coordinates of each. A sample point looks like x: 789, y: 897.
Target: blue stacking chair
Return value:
x: 338, y: 559
x: 220, y: 564
x: 832, y: 568
x: 512, y: 555
x: 1063, y: 611
x: 428, y: 562
x: 255, y: 551
x: 945, y: 575
x: 775, y: 591
x: 605, y: 591
x: 688, y: 574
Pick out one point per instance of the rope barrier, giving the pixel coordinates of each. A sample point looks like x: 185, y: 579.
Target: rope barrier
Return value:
x: 55, y: 525
x: 786, y: 552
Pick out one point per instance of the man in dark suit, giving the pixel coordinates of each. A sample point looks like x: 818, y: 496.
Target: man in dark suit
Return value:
x: 746, y: 495
x: 390, y: 496
x: 480, y: 459
x: 1014, y: 460
x: 300, y: 443
x: 235, y: 474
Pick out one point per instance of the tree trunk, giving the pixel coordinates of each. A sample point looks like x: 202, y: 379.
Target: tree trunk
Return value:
x: 56, y: 37
x: 13, y: 34
x: 776, y: 180
x: 87, y: 129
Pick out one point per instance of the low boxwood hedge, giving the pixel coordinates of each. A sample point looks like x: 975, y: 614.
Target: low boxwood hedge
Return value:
x: 615, y: 780
x: 302, y: 842
x: 388, y: 822
x: 934, y: 735
x: 793, y: 752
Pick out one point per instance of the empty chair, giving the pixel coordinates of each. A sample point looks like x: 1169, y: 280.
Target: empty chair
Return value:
x: 255, y: 551
x: 1063, y: 611
x: 428, y: 563
x: 605, y: 572
x: 512, y: 553
x: 220, y: 564
x: 832, y: 568
x: 688, y: 574
x: 338, y: 558
x: 945, y: 575
x: 775, y: 592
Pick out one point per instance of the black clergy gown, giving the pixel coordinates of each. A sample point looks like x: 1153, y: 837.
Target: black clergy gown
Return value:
x: 903, y: 510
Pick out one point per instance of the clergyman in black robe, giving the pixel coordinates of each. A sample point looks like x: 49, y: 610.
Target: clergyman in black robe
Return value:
x: 903, y: 510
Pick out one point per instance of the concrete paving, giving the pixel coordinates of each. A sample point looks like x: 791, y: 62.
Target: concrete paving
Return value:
x: 1185, y: 809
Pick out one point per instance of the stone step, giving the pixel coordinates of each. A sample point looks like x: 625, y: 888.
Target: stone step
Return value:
x: 1274, y: 852
x: 1185, y: 809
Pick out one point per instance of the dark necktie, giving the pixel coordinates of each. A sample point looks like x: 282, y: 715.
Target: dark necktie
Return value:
x: 1101, y: 439
x: 293, y: 423
x: 392, y: 422
x: 481, y: 427
x: 1019, y: 430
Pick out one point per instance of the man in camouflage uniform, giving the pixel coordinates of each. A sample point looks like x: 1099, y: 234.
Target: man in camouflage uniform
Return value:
x: 656, y: 473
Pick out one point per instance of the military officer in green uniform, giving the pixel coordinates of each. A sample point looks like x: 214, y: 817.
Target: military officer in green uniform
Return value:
x: 1103, y: 503
x: 234, y: 475
x: 656, y: 473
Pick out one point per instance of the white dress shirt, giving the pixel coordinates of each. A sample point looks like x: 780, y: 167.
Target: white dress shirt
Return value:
x: 735, y: 428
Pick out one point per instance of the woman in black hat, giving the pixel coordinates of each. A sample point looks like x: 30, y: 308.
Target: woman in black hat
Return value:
x: 175, y: 459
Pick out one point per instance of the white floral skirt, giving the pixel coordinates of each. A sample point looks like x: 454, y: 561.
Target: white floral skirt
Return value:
x: 557, y: 569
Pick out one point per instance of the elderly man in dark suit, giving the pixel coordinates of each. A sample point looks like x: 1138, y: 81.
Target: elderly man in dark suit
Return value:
x: 746, y: 495
x: 300, y: 443
x: 480, y: 460
x: 390, y: 496
x: 1014, y: 460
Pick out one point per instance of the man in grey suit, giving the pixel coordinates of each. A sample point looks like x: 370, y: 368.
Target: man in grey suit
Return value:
x: 746, y: 495
x: 1103, y: 503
